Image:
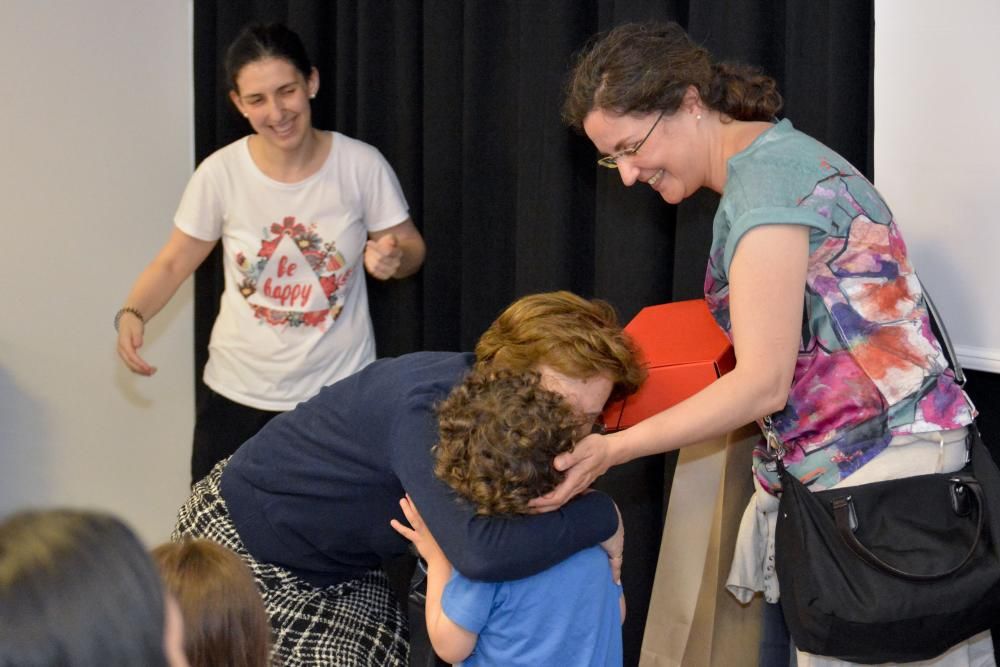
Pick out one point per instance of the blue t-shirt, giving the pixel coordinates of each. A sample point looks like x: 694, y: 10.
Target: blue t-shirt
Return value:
x: 314, y: 490
x: 567, y: 615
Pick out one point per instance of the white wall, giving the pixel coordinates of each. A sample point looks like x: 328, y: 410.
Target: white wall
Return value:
x: 937, y: 156
x: 95, y: 150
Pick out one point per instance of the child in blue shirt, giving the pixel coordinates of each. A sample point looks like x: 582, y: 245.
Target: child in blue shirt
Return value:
x: 499, y: 431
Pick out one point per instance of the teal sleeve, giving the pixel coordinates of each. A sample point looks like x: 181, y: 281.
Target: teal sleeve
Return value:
x: 818, y: 225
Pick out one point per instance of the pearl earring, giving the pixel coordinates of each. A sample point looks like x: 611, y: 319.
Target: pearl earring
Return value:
x: 698, y: 117
x: 313, y: 96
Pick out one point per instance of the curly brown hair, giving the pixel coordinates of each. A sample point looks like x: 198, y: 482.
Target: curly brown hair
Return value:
x: 499, y: 431
x: 648, y: 67
x: 578, y: 337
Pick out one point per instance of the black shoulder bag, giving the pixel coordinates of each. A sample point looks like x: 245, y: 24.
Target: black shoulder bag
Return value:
x: 893, y: 571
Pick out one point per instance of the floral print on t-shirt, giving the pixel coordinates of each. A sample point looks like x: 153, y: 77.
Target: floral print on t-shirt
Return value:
x: 296, y: 278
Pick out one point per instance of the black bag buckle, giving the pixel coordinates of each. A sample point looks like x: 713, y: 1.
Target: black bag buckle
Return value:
x: 852, y: 517
x: 960, y: 502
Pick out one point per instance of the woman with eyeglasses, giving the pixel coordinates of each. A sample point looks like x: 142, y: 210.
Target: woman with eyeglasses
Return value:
x: 807, y: 274
x: 302, y: 214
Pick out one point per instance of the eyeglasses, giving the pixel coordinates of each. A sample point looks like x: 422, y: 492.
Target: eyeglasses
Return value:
x: 611, y: 161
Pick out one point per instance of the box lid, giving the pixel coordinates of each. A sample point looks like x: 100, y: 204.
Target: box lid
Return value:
x: 681, y: 332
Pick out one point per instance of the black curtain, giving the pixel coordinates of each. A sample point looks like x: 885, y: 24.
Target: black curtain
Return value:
x: 463, y: 99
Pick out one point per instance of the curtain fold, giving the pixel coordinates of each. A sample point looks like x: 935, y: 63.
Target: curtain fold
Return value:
x: 463, y: 99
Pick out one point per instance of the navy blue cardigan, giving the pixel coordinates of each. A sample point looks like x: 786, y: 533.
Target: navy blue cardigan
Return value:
x: 314, y: 490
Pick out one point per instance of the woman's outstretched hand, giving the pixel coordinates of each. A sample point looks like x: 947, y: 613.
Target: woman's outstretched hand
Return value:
x: 130, y: 338
x: 589, y: 460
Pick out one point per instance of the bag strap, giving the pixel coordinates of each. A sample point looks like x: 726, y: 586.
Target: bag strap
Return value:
x: 843, y: 512
x: 949, y: 352
x: 938, y: 323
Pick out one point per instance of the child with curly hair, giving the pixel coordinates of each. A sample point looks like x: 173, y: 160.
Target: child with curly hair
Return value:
x: 499, y: 432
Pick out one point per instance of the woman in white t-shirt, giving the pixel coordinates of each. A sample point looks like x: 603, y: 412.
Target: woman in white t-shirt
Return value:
x: 299, y: 211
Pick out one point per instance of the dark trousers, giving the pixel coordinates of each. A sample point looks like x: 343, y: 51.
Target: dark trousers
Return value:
x: 775, y: 645
x: 220, y: 427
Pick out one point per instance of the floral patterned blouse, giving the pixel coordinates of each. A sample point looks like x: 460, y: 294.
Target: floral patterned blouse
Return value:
x: 869, y: 366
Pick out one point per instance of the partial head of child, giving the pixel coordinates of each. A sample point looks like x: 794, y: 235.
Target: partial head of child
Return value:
x: 499, y: 432
x: 77, y: 587
x: 224, y: 615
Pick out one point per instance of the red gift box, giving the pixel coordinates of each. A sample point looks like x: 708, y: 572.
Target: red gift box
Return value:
x: 684, y: 350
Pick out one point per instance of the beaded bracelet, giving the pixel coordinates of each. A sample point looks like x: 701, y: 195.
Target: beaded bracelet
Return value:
x: 128, y: 309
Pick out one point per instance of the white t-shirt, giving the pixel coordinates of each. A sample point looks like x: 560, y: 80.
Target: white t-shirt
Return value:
x: 294, y: 314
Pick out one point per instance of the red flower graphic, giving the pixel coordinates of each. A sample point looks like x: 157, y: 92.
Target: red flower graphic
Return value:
x: 314, y: 318
x: 288, y: 227
x: 329, y: 284
x: 267, y: 247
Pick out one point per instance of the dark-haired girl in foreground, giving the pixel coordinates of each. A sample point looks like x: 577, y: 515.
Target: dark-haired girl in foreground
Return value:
x: 78, y: 589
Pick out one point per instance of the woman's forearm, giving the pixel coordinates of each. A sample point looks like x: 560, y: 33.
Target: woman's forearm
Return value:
x: 414, y: 251
x: 158, y: 282
x: 728, y: 403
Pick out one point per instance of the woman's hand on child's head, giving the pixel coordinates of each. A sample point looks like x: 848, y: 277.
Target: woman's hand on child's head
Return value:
x: 585, y: 463
x: 417, y: 532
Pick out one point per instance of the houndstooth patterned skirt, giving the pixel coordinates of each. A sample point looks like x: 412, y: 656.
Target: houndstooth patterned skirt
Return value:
x: 356, y: 623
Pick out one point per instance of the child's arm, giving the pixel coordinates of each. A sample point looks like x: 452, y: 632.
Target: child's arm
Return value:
x: 615, y: 547
x: 451, y: 642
